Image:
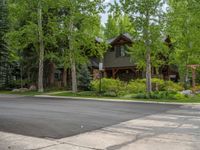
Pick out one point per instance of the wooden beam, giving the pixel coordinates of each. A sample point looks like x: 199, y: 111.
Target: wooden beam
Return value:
x: 114, y: 72
x: 193, y: 77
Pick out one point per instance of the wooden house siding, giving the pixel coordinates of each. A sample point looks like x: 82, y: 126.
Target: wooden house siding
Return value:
x: 111, y: 61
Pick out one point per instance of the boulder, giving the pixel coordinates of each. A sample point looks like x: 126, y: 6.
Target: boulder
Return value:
x: 15, y: 90
x: 23, y: 89
x: 187, y: 92
x: 32, y: 88
x: 20, y: 90
x: 197, y: 92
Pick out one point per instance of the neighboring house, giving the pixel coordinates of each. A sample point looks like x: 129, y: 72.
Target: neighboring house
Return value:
x: 118, y: 64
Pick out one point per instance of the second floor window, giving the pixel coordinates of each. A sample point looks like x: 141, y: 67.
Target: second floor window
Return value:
x: 120, y: 50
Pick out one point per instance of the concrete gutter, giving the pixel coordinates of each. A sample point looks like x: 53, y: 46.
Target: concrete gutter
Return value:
x: 113, y: 100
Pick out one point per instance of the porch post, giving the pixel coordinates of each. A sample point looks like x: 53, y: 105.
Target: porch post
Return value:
x: 113, y: 73
x: 193, y: 77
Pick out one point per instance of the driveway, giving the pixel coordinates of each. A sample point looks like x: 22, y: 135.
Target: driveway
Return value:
x: 84, y: 124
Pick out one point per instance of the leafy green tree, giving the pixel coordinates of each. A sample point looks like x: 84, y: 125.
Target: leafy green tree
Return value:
x: 3, y: 46
x: 3, y: 27
x: 147, y: 17
x: 80, y: 19
x: 118, y: 24
x: 111, y: 27
x: 184, y: 30
x: 33, y: 30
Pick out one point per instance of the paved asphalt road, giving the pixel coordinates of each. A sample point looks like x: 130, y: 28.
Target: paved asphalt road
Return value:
x: 57, y: 118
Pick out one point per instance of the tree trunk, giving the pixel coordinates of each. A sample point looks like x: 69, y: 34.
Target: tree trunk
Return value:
x: 72, y: 58
x: 74, y: 79
x: 148, y: 72
x: 193, y: 77
x: 52, y: 73
x: 157, y: 75
x: 41, y: 49
x: 148, y: 55
x: 64, y: 77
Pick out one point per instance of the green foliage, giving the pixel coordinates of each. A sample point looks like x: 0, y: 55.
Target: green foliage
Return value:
x: 67, y: 32
x: 179, y: 96
x: 4, y: 53
x: 167, y: 95
x: 196, y: 88
x: 148, y: 18
x: 86, y: 93
x: 171, y: 86
x: 118, y: 24
x: 107, y: 86
x: 137, y: 86
x: 183, y: 28
x: 18, y: 83
x: 84, y: 78
x: 163, y: 95
x: 110, y: 94
x: 157, y: 84
x: 112, y: 87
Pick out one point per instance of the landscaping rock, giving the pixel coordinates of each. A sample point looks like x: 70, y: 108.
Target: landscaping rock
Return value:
x: 24, y: 89
x: 33, y: 88
x: 20, y: 90
x: 197, y: 92
x: 15, y: 90
x: 187, y: 92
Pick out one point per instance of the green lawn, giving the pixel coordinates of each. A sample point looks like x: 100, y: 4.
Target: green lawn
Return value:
x: 88, y: 94
x: 28, y: 93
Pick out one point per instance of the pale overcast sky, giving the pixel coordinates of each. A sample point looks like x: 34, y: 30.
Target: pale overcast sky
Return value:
x: 104, y: 17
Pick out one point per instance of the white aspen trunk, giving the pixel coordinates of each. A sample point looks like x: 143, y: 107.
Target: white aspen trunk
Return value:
x: 74, y: 78
x: 148, y: 71
x: 72, y: 60
x: 148, y: 57
x: 41, y: 49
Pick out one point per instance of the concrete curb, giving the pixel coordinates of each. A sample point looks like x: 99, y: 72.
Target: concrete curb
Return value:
x: 113, y: 100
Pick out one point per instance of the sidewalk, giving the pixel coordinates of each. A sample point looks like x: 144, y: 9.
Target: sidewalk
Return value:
x: 174, y: 130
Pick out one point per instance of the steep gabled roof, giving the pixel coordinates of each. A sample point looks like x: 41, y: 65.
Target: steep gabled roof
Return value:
x: 124, y: 35
x: 99, y: 40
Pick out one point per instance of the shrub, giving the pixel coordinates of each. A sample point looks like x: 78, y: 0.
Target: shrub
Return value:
x: 87, y: 93
x: 180, y: 96
x: 110, y: 94
x: 128, y: 96
x: 140, y: 96
x: 163, y: 95
x: 108, y: 85
x: 195, y: 89
x: 17, y: 83
x: 137, y: 86
x: 171, y: 86
x: 157, y: 84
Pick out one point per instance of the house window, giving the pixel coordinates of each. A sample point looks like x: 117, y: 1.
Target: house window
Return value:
x: 120, y: 51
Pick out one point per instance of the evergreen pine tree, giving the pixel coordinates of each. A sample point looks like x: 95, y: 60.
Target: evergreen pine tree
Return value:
x: 84, y: 77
